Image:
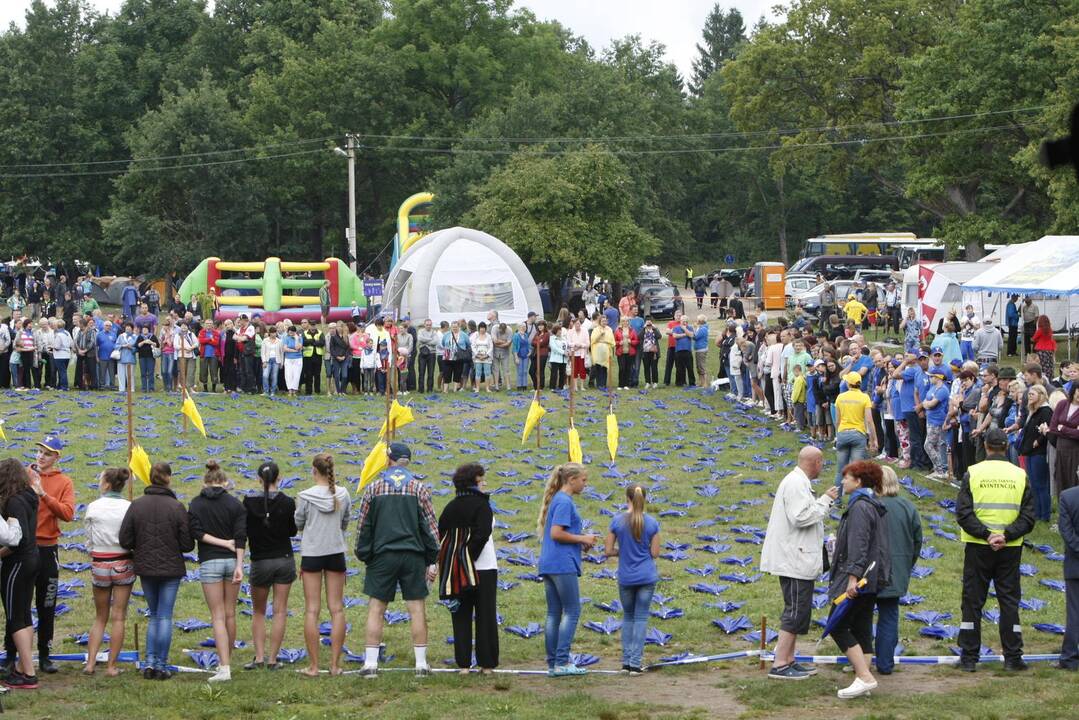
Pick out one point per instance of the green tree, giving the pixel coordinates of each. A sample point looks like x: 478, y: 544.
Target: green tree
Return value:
x: 169, y: 215
x: 564, y: 214
x: 724, y: 33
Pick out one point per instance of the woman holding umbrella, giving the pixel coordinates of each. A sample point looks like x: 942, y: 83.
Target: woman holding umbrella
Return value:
x: 861, y: 568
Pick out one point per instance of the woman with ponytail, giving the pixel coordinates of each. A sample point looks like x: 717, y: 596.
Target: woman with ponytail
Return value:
x: 560, y: 564
x: 271, y: 525
x: 322, y: 515
x: 634, y: 537
x: 111, y: 567
x: 219, y: 525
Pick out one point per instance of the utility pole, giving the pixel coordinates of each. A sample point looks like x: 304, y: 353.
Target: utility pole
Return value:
x: 352, y: 201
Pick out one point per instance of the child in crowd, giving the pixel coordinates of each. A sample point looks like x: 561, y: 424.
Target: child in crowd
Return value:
x: 798, y: 396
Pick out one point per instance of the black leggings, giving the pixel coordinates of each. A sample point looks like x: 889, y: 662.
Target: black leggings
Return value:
x: 625, y: 369
x: 17, y: 582
x: 452, y: 371
x: 48, y: 577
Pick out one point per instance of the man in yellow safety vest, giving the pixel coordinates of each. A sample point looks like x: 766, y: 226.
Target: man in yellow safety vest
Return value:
x: 689, y: 278
x: 313, y: 349
x: 995, y: 509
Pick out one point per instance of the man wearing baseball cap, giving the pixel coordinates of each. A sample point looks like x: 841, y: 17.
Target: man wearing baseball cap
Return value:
x: 56, y: 503
x: 935, y: 404
x: 397, y: 538
x: 995, y: 509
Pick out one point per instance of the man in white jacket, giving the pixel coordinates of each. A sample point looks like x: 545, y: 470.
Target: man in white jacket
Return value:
x: 793, y: 551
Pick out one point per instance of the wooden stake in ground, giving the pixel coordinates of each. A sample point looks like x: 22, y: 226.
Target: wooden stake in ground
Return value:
x: 130, y: 425
x: 764, y: 638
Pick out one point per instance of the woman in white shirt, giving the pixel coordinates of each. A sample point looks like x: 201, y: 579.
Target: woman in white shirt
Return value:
x: 61, y: 355
x: 111, y: 566
x: 272, y: 358
x: 483, y: 347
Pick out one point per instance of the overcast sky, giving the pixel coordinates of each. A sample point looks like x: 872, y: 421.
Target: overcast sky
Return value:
x: 675, y: 23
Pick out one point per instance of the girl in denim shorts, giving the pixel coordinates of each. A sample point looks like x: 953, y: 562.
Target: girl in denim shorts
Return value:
x: 219, y: 524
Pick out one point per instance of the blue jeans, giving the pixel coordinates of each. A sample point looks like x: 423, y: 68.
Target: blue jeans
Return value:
x: 1038, y: 472
x: 522, y: 372
x: 636, y: 602
x: 269, y: 376
x: 61, y: 373
x: 736, y: 383
x: 747, y: 385
x: 339, y: 372
x: 850, y: 445
x: 563, y: 610
x: 887, y: 633
x: 160, y: 597
x: 168, y: 361
x: 146, y: 367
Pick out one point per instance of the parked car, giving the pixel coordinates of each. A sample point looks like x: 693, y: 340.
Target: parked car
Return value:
x: 810, y: 300
x: 798, y: 283
x: 731, y: 275
x: 662, y: 298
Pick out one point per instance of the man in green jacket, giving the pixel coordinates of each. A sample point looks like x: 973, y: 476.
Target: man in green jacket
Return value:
x: 397, y: 538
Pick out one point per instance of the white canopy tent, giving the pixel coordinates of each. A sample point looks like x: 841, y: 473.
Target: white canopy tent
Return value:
x: 1046, y: 270
x: 459, y: 273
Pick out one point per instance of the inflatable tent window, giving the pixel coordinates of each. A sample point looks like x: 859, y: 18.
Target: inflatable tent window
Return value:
x: 460, y: 273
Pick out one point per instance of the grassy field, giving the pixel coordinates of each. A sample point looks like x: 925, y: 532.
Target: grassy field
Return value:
x: 710, y: 468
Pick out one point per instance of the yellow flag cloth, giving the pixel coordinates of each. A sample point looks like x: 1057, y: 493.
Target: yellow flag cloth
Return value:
x: 192, y: 414
x: 400, y: 414
x: 377, y: 461
x: 535, y: 412
x: 2, y: 435
x: 612, y: 435
x: 140, y: 464
x: 575, y: 454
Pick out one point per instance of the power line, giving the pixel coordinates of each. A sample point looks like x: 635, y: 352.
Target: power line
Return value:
x: 693, y: 136
x: 132, y: 162
x: 481, y: 151
x: 207, y: 153
x: 141, y: 169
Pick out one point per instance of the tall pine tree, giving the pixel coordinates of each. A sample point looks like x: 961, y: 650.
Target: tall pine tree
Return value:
x: 724, y: 31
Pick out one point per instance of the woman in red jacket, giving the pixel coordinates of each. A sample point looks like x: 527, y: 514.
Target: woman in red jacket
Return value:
x: 1045, y: 346
x: 625, y: 347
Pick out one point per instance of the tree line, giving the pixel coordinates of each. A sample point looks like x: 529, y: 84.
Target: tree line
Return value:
x: 149, y: 139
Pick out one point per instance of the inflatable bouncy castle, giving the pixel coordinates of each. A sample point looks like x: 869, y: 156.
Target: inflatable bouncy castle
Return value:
x: 274, y: 289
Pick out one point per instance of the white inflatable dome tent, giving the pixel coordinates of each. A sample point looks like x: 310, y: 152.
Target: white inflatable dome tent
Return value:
x: 460, y: 273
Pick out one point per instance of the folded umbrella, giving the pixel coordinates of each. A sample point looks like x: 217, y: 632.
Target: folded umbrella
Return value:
x: 731, y: 625
x: 664, y: 613
x: 654, y: 636
x: 608, y: 626
x: 525, y: 631
x: 726, y: 605
x: 940, y: 632
x: 842, y: 604
x: 755, y: 636
x: 928, y: 617
x: 708, y: 588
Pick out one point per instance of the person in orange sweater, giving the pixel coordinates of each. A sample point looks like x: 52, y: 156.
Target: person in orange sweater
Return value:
x: 56, y: 504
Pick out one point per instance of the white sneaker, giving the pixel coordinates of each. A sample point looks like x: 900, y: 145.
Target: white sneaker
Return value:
x: 224, y: 674
x: 856, y: 689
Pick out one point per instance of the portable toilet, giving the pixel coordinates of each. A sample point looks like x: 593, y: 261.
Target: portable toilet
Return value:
x: 769, y: 284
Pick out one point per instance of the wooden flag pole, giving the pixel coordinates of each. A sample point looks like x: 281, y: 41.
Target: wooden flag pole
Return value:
x: 764, y: 639
x: 390, y: 366
x: 536, y: 398
x: 130, y: 425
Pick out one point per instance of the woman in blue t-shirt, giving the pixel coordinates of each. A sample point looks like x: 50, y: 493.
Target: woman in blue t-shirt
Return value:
x: 560, y: 564
x: 637, y: 538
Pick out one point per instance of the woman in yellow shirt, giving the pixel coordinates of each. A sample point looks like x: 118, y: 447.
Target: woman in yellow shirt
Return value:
x: 602, y: 343
x: 854, y: 413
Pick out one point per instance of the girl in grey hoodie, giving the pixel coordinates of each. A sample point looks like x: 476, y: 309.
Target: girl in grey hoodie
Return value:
x: 322, y: 515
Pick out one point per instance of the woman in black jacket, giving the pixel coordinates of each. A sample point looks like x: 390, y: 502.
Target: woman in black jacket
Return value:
x: 468, y: 570
x: 862, y: 541
x: 1032, y: 447
x: 156, y: 530
x: 17, y: 572
x: 219, y: 524
x: 271, y: 525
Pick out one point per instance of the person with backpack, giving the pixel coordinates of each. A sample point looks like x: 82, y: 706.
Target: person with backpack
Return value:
x: 271, y: 525
x: 634, y: 537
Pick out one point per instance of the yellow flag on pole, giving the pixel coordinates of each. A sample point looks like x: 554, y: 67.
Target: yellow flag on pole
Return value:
x: 192, y: 413
x: 377, y: 461
x: 140, y: 464
x: 535, y: 412
x: 2, y: 435
x: 612, y: 435
x: 400, y: 415
x: 575, y: 454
